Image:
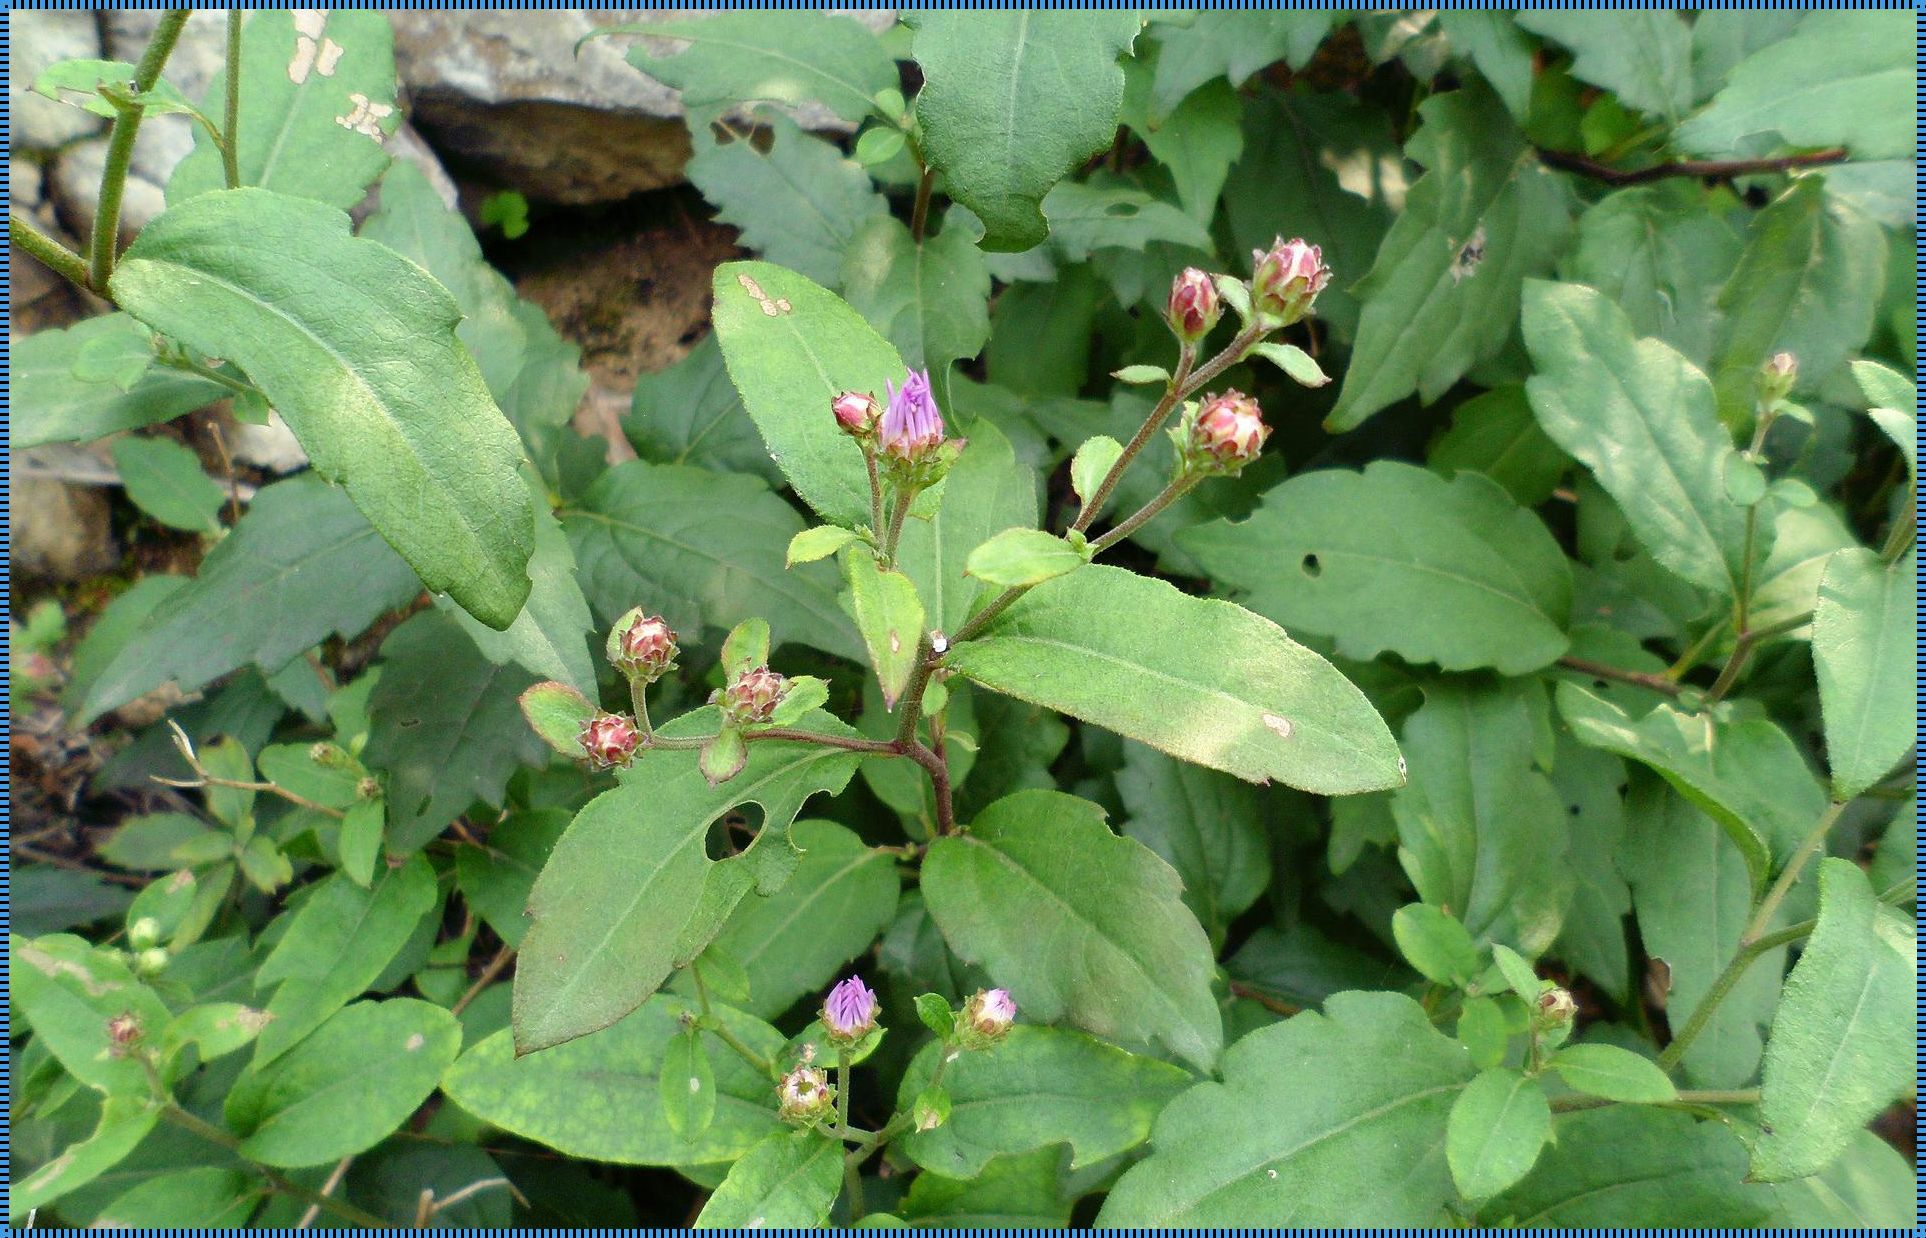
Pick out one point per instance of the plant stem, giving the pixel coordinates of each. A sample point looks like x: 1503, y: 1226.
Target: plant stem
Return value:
x: 231, y: 117
x: 1690, y: 658
x: 495, y: 967
x: 852, y: 1172
x: 938, y: 768
x: 1180, y: 385
x: 714, y: 1025
x: 1177, y: 489
x: 271, y: 788
x: 1723, y: 169
x: 1644, y: 679
x: 215, y: 1135
x: 639, y: 703
x: 339, y: 1172
x: 1741, y: 1096
x: 62, y: 261
x: 920, y: 213
x: 875, y: 493
x: 120, y: 147
x: 904, y: 497
x: 1900, y: 538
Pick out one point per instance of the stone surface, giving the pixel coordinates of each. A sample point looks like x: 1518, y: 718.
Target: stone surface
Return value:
x: 40, y: 37
x: 60, y: 532
x: 76, y: 185
x: 23, y: 182
x: 271, y: 446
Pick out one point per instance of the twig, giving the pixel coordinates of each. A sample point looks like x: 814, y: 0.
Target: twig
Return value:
x: 1253, y: 994
x: 920, y: 213
x: 120, y: 147
x: 327, y: 1189
x: 215, y: 1135
x: 1644, y: 679
x: 1722, y: 169
x: 227, y: 466
x: 495, y: 966
x: 62, y: 261
x: 231, y: 117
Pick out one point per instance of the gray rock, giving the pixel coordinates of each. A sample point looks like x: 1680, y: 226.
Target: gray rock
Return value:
x: 59, y: 531
x: 271, y: 446
x: 41, y: 37
x: 200, y: 53
x: 23, y: 182
x: 76, y: 188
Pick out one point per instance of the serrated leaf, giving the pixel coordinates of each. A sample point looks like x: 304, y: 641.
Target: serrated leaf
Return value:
x: 1206, y: 825
x: 1196, y: 143
x: 1012, y: 102
x: 799, y: 202
x: 320, y: 91
x: 447, y: 728
x: 55, y: 403
x: 626, y: 882
x: 1231, y: 45
x: 791, y: 58
x: 1872, y: 1185
x: 67, y: 991
x: 1498, y: 1125
x: 1633, y: 1166
x: 931, y: 300
x: 1133, y: 964
x: 1039, y: 1086
x: 1643, y: 57
x: 691, y: 413
x: 346, y: 1087
x: 1022, y: 557
x: 1843, y: 78
x: 1613, y: 1073
x: 1342, y: 1106
x: 1502, y: 52
x: 1436, y: 944
x: 1894, y: 408
x: 550, y: 636
x: 1864, y: 629
x: 788, y: 1181
x: 1279, y: 711
x: 364, y: 366
x: 164, y: 479
x: 1397, y: 558
x: 704, y: 550
x: 1644, y: 420
x: 1660, y: 255
x: 1086, y: 217
x: 792, y: 347
x: 1444, y: 292
x: 300, y: 566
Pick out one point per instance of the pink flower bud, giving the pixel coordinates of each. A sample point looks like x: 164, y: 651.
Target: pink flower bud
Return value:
x: 752, y: 696
x: 912, y: 425
x: 610, y: 740
x: 1286, y: 281
x: 1777, y: 377
x: 804, y: 1095
x: 1556, y: 1008
x: 1226, y: 434
x: 856, y: 412
x: 849, y: 1012
x: 986, y: 1016
x: 642, y: 646
x: 1194, y: 307
x: 124, y: 1032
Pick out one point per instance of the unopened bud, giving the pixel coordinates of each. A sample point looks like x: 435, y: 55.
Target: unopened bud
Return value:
x: 804, y: 1096
x: 1555, y: 1008
x: 753, y: 695
x: 144, y: 933
x: 123, y: 1032
x: 857, y: 412
x: 1224, y: 435
x: 151, y: 962
x: 610, y: 740
x: 911, y: 434
x: 368, y: 788
x: 642, y: 646
x: 1286, y: 279
x: 328, y: 755
x: 985, y: 1018
x: 1777, y: 377
x: 849, y: 1012
x: 1194, y: 305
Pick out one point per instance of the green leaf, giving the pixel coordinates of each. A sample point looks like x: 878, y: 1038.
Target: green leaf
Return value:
x: 1012, y: 102
x: 496, y: 880
x: 599, y: 1097
x: 300, y: 566
x: 208, y: 1196
x: 1497, y: 1127
x: 1295, y: 362
x: 346, y: 1087
x: 1894, y: 408
x: 364, y: 366
x: 1038, y: 1086
x: 549, y: 637
x: 1398, y: 559
x: 215, y: 1029
x: 799, y: 202
x: 1843, y: 79
x: 931, y: 300
x: 1342, y: 1106
x: 1593, y: 939
x: 790, y: 943
x: 1869, y: 1187
x: 890, y: 617
x: 1841, y: 1048
x: 691, y: 413
x: 1496, y: 434
x: 67, y: 991
x: 627, y: 880
x: 56, y: 399
x: 447, y: 728
x: 1808, y: 282
x: 1444, y: 291
x: 1633, y: 1166
x: 87, y: 77
x: 320, y: 92
x: 746, y: 647
x: 1092, y: 464
x: 1864, y: 629
x: 986, y: 491
x: 1481, y: 830
x: 1644, y: 420
x: 792, y: 347
x: 1140, y: 376
x: 1276, y: 711
x: 1086, y: 217
x: 1500, y: 50
x: 788, y: 1181
x: 1482, y: 1030
x: 164, y: 479
x: 821, y: 542
x: 557, y: 713
x: 163, y: 841
x: 124, y: 1122
x: 790, y: 58
x: 1023, y: 557
x: 1196, y: 143
x: 1436, y: 944
x: 1207, y: 826
x: 688, y: 1085
x: 704, y: 550
x: 1660, y: 255
x: 1747, y: 775
x: 1613, y: 1073
x: 1644, y: 57
x: 1231, y: 45
x: 335, y: 948
x: 1027, y: 1191
x: 1130, y: 961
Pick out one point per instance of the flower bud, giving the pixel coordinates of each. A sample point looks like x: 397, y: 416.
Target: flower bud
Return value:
x: 911, y: 434
x: 610, y: 740
x: 1194, y: 306
x: 328, y: 755
x: 144, y: 933
x: 151, y: 962
x: 642, y: 646
x: 1555, y: 1008
x: 123, y: 1032
x: 849, y: 1012
x: 1777, y: 377
x: 985, y: 1018
x: 753, y: 695
x: 1223, y: 435
x: 1286, y: 280
x: 368, y: 788
x: 804, y: 1096
x: 857, y: 413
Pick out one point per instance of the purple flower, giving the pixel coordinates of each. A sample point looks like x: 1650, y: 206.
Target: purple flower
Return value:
x: 986, y: 1017
x: 912, y: 424
x: 849, y: 1013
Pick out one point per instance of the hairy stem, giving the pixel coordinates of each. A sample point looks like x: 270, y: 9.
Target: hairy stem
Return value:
x: 216, y: 1135
x: 120, y: 147
x: 1177, y: 489
x: 897, y: 516
x: 875, y: 493
x: 62, y: 261
x: 231, y: 115
x: 852, y: 1171
x: 920, y: 213
x: 937, y: 766
x: 1723, y: 169
x: 710, y: 1023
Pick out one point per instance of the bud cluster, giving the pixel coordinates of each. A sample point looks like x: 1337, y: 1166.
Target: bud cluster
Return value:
x: 610, y: 740
x: 1194, y: 306
x: 1286, y: 279
x: 752, y: 696
x: 1222, y: 435
x: 642, y: 646
x: 804, y: 1095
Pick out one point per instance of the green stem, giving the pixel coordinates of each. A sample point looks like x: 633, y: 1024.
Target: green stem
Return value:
x: 1740, y: 1096
x: 178, y: 362
x: 1741, y: 617
x: 1177, y: 489
x: 1690, y: 658
x: 62, y: 261
x: 920, y: 213
x: 898, y: 515
x: 710, y: 1023
x: 120, y: 147
x: 852, y: 1172
x: 231, y: 117
x: 1644, y: 679
x: 639, y: 702
x: 1900, y: 539
x: 215, y: 1135
x: 875, y: 492
x: 1181, y: 384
